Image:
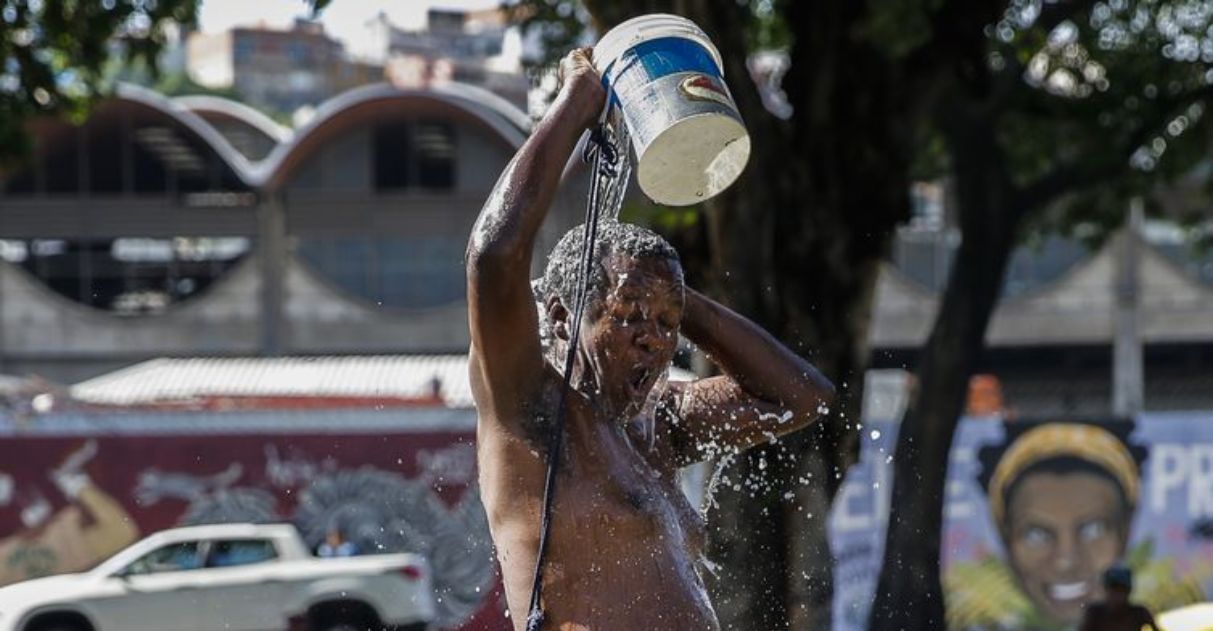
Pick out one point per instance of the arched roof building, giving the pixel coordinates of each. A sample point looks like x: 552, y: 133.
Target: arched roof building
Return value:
x: 198, y: 226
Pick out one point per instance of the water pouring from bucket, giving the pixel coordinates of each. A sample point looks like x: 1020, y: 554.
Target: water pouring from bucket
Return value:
x: 666, y: 77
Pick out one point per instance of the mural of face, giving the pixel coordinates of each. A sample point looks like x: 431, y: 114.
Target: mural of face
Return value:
x: 1062, y: 531
x: 1062, y: 497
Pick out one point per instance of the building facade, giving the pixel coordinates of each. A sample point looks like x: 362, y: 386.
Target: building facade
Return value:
x: 193, y: 226
x: 281, y: 70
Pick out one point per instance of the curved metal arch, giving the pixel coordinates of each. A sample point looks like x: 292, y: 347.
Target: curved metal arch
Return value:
x: 252, y: 117
x: 195, y: 123
x: 506, y: 121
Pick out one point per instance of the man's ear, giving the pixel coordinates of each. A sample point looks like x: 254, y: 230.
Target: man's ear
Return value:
x: 558, y: 318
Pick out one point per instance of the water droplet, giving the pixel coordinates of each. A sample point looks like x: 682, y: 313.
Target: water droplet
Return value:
x: 875, y: 434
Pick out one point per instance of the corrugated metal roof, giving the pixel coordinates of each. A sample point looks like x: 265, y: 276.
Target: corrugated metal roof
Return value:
x: 379, y: 376
x: 398, y: 376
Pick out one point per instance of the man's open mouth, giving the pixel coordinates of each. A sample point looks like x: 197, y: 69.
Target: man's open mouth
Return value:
x: 640, y: 379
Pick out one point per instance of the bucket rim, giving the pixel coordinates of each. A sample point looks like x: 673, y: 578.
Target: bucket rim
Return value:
x: 643, y: 28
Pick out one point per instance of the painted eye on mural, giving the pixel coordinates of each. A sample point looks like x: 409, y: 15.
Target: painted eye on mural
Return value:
x: 1037, y: 536
x: 1093, y: 529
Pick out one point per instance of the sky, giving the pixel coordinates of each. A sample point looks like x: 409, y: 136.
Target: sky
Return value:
x: 343, y: 19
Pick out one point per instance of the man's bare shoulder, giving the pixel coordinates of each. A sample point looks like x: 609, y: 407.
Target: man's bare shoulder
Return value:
x: 526, y: 412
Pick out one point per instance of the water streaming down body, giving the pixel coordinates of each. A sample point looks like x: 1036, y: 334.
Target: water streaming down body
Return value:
x: 610, y: 151
x: 609, y: 156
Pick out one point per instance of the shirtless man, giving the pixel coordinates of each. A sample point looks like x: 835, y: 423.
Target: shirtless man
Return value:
x: 624, y: 541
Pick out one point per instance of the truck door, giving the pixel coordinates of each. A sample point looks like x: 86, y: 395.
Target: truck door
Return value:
x: 243, y: 590
x: 157, y: 592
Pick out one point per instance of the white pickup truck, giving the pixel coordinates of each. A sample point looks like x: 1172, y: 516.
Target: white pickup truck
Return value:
x: 230, y: 577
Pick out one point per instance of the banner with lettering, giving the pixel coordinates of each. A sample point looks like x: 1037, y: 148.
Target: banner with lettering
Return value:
x: 1035, y: 511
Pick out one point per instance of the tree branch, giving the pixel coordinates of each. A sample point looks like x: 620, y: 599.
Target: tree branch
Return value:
x: 1088, y: 171
x: 1054, y: 14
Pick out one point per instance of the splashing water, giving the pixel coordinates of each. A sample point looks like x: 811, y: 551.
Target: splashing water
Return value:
x: 648, y: 413
x: 778, y: 418
x: 718, y: 477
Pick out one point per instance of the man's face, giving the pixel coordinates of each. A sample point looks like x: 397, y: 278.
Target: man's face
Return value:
x: 1063, y: 531
x: 630, y: 336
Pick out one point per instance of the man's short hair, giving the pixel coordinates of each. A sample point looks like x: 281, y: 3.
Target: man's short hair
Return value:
x: 614, y: 237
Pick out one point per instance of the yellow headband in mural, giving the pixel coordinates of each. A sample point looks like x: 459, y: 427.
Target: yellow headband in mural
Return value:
x: 1056, y: 440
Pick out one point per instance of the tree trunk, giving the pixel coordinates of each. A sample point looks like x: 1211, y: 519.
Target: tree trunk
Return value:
x: 909, y: 594
x: 796, y: 245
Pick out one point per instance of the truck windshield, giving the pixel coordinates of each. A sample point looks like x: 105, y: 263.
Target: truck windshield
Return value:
x: 174, y: 557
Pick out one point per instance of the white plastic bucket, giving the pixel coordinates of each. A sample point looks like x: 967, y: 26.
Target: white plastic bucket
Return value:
x: 667, y: 77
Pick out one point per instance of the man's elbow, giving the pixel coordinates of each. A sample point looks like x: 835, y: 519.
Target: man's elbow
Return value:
x: 826, y: 393
x: 484, y: 259
x: 818, y: 396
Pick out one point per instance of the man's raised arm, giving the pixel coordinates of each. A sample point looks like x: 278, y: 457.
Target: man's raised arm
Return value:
x: 506, y: 361
x: 766, y: 390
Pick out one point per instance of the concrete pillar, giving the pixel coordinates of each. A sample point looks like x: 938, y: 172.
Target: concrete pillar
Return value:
x: 1128, y: 381
x: 271, y: 258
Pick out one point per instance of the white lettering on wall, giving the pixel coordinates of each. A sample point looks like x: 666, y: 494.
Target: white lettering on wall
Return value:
x: 1168, y: 471
x: 1200, y: 483
x: 1176, y: 468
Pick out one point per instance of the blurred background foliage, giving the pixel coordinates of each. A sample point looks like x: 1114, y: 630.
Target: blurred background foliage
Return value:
x: 56, y: 54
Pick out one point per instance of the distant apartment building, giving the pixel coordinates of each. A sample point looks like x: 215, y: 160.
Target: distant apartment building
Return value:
x: 277, y: 69
x: 472, y: 47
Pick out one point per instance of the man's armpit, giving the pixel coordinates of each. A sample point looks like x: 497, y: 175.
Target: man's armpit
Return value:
x: 679, y: 433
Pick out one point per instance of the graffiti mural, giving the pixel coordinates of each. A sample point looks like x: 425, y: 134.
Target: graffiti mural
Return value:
x: 75, y: 526
x: 1036, y: 511
x: 68, y: 502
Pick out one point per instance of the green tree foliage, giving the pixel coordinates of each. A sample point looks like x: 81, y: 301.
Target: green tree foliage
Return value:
x: 1046, y: 115
x: 796, y: 245
x: 1053, y: 115
x: 54, y: 53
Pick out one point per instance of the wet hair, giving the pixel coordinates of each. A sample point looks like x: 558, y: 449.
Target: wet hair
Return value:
x: 990, y: 456
x: 614, y: 237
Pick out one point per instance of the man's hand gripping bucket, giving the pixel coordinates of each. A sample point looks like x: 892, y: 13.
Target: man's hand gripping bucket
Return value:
x: 666, y: 77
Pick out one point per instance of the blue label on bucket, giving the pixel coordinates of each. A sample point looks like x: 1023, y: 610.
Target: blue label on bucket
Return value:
x: 657, y: 58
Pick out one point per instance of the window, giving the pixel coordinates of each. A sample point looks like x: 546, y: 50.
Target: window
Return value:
x: 414, y: 154
x: 129, y: 276
x: 435, y: 143
x: 391, y: 147
x: 392, y: 272
x: 176, y: 557
x: 230, y: 553
x: 243, y: 50
x: 298, y: 52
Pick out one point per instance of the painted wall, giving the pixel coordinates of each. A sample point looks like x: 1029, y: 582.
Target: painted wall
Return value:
x: 74, y: 496
x: 1026, y: 548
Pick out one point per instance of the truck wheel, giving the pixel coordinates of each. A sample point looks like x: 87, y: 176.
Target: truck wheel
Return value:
x: 344, y: 616
x: 59, y: 622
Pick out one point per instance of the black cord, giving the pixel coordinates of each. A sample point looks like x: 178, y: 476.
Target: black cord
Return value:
x: 605, y: 157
